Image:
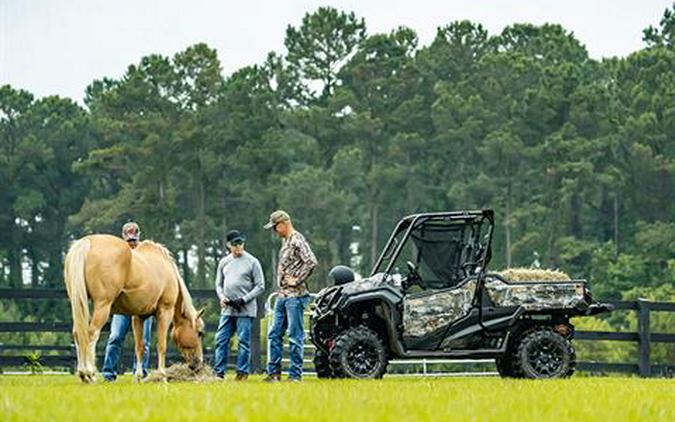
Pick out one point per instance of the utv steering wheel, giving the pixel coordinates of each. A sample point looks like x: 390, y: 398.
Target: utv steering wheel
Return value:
x: 414, y: 277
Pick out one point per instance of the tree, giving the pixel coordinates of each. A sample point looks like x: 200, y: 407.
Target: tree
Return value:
x: 319, y: 48
x: 63, y: 127
x: 504, y: 152
x: 18, y: 155
x: 454, y: 52
x: 664, y: 36
x: 376, y: 82
x: 200, y: 81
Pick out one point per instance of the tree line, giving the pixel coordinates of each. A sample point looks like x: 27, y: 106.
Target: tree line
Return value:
x: 350, y: 131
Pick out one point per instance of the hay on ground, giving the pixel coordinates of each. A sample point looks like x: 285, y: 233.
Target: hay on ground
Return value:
x: 533, y: 274
x: 181, y: 372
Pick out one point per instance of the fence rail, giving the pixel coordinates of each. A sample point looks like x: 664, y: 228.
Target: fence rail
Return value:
x: 67, y: 358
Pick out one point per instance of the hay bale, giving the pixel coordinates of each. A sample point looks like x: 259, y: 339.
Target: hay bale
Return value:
x: 533, y: 274
x: 181, y: 372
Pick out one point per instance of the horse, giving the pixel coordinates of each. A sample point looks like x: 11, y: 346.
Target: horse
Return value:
x: 140, y: 282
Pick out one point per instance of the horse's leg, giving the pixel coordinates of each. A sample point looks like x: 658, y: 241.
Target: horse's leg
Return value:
x: 164, y: 317
x: 81, y: 350
x: 137, y: 326
x: 98, y: 319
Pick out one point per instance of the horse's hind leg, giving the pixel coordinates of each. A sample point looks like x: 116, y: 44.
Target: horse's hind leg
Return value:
x: 81, y: 350
x: 98, y: 319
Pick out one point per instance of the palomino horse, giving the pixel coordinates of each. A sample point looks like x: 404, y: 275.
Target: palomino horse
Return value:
x: 140, y: 282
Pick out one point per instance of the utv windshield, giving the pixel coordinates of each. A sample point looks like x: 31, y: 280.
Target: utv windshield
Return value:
x: 444, y: 249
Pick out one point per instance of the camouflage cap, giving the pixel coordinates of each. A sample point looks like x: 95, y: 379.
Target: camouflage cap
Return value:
x: 277, y: 217
x: 131, y: 231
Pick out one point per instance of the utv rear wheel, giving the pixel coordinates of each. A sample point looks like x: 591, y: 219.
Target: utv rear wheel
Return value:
x: 321, y: 364
x: 543, y: 353
x: 359, y: 353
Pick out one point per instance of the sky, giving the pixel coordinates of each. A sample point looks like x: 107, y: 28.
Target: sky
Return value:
x: 58, y: 47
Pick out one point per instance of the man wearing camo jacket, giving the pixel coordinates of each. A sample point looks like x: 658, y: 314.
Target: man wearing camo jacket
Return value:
x: 296, y: 263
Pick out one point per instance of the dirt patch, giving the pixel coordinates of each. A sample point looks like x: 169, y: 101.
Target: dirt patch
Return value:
x: 533, y: 274
x: 181, y: 372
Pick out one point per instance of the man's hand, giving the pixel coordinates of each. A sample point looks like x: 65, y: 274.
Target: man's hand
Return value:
x: 238, y: 303
x: 291, y: 281
x: 223, y: 302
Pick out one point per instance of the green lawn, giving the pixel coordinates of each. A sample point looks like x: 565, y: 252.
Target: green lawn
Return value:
x: 62, y: 397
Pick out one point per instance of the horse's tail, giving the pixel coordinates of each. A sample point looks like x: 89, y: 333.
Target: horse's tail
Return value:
x: 73, y: 273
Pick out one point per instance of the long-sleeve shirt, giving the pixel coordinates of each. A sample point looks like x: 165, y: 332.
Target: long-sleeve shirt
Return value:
x: 297, y: 260
x: 240, y: 277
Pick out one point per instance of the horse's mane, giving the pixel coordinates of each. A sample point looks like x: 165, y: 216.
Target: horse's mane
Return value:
x: 188, y: 307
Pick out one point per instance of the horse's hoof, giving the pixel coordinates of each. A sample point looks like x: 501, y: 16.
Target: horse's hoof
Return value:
x: 87, y: 378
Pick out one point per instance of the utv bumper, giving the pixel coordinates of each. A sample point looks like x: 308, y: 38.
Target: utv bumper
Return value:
x: 598, y: 308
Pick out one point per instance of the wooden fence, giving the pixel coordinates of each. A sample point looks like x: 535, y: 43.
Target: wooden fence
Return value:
x: 16, y: 355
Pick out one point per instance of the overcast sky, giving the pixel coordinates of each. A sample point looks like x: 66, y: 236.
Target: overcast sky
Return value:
x: 59, y: 46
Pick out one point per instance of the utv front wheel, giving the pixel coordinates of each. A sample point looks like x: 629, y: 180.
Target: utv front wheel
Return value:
x: 322, y: 365
x: 359, y: 353
x: 543, y: 353
x: 505, y: 367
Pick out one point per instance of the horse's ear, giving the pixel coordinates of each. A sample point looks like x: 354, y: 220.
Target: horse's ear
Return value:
x: 201, y: 312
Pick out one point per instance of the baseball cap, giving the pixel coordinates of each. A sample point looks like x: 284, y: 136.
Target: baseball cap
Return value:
x: 235, y: 237
x: 131, y: 231
x: 277, y: 217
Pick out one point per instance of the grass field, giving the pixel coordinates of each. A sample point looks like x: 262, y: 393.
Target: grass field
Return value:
x: 62, y: 397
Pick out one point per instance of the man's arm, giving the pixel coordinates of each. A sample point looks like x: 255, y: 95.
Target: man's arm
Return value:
x: 258, y: 282
x: 308, y: 260
x: 219, y: 282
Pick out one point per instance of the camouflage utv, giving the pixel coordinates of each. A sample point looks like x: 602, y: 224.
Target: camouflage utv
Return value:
x: 429, y: 296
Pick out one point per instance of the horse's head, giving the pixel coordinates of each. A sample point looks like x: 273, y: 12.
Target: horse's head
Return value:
x: 187, y: 334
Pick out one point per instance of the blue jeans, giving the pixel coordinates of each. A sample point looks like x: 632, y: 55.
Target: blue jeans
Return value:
x: 226, y: 327
x: 288, y: 314
x: 119, y: 326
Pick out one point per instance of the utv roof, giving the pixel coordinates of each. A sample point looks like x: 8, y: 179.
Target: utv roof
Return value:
x: 442, y: 221
x: 452, y: 215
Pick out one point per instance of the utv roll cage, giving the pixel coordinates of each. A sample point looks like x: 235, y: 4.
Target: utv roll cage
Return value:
x: 407, y: 225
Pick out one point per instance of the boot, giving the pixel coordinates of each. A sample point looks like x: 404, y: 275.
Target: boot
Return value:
x: 272, y: 378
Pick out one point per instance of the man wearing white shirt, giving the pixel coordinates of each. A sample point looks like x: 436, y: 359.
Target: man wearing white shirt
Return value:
x: 239, y: 280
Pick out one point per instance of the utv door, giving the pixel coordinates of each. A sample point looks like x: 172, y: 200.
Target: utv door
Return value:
x: 427, y: 315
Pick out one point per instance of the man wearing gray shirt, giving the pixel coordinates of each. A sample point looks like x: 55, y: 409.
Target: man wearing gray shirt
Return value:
x: 239, y: 280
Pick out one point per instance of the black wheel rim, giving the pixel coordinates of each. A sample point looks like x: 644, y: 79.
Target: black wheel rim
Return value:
x: 362, y: 359
x: 546, y: 357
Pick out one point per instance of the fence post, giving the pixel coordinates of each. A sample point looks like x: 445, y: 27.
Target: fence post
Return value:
x: 255, y: 337
x: 643, y: 334
x: 73, y: 358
